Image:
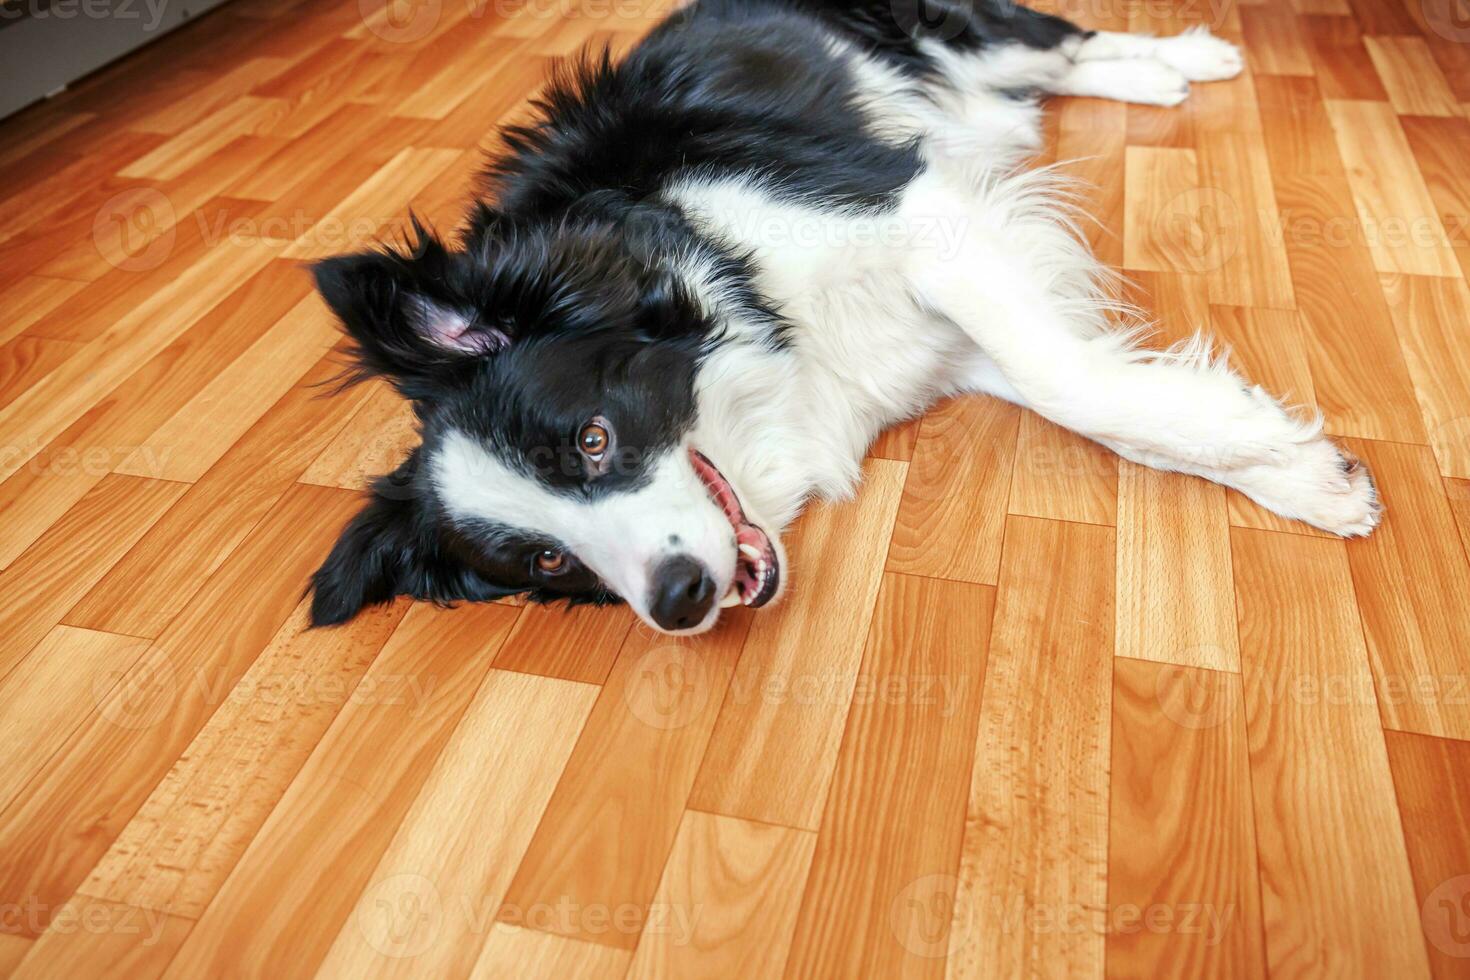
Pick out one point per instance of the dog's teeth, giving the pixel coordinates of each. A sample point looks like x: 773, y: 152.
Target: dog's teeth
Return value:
x: 750, y: 551
x: 732, y: 598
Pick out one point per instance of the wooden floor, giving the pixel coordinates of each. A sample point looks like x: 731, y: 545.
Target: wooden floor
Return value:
x: 1028, y: 710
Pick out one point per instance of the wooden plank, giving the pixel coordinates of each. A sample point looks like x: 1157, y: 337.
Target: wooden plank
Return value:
x: 896, y: 811
x: 91, y: 938
x: 26, y: 360
x: 1062, y: 476
x: 48, y: 694
x: 73, y: 554
x: 1430, y: 316
x: 160, y: 575
x: 957, y: 486
x: 358, y: 218
x: 1438, y: 146
x: 1252, y: 268
x: 1416, y: 635
x: 58, y: 400
x: 1092, y: 154
x: 379, y: 436
x: 13, y: 949
x: 1171, y: 223
x: 728, y: 900
x: 1175, y: 600
x: 1458, y: 493
x: 897, y: 442
x: 296, y: 884
x: 145, y: 241
x: 608, y: 829
x: 1343, y: 67
x: 1413, y: 81
x: 245, y: 115
x: 462, y: 839
x: 1183, y: 896
x: 575, y: 643
x: 1358, y: 372
x: 64, y: 470
x: 29, y: 299
x: 188, y: 835
x: 1036, y: 828
x: 1393, y: 202
x: 526, y: 953
x: 776, y: 741
x: 1297, y: 131
x: 1432, y: 776
x: 204, y: 428
x: 70, y: 814
x: 1335, y: 887
x: 1273, y: 41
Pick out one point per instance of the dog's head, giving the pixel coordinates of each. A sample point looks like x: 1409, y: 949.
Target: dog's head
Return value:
x: 553, y: 373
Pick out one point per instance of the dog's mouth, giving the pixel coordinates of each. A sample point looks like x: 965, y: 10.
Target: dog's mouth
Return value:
x: 757, y: 570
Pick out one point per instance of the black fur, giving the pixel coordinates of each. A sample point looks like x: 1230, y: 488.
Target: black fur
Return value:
x: 559, y: 277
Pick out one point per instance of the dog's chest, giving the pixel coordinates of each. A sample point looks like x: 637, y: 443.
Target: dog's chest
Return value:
x: 867, y: 354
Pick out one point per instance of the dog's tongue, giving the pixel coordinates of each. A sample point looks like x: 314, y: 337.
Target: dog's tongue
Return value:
x: 757, y: 573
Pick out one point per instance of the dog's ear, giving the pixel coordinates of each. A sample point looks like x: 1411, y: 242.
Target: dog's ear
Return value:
x: 390, y: 549
x: 400, y: 306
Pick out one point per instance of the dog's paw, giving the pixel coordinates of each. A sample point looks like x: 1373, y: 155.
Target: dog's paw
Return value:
x: 1200, y: 56
x: 1148, y: 82
x: 1319, y: 484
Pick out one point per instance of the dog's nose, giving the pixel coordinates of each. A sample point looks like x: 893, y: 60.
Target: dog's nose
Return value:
x: 682, y: 593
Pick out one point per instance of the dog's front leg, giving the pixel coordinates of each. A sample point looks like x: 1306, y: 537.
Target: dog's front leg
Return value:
x: 1025, y: 290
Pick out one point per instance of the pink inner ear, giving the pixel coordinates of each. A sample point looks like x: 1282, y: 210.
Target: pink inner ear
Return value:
x: 454, y: 330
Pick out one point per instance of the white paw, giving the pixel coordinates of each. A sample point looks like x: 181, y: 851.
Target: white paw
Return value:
x: 1317, y: 483
x: 1200, y: 56
x: 1147, y: 82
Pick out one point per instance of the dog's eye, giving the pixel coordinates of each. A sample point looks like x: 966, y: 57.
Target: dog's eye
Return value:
x: 594, y: 438
x: 551, y: 562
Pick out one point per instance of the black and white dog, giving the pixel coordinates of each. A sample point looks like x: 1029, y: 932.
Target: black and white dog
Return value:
x: 710, y: 274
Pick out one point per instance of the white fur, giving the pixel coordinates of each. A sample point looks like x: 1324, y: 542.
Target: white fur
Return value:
x: 612, y: 535
x: 988, y: 288
x: 976, y: 282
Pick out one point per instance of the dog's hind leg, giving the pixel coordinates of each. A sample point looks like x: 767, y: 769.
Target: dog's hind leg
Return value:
x: 1026, y: 292
x: 1196, y: 54
x: 1150, y: 70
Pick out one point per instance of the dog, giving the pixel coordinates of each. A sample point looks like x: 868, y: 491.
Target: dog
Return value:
x: 696, y: 288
